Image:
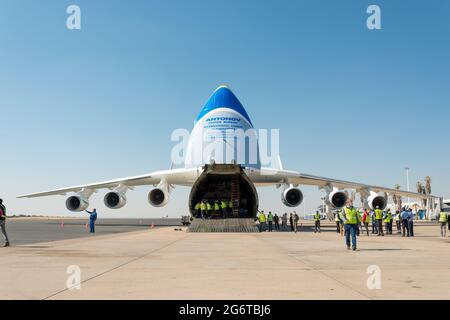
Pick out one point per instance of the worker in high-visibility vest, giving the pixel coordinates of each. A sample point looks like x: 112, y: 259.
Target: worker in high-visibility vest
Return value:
x: 443, y: 220
x: 350, y: 217
x: 270, y: 221
x: 203, y: 209
x: 366, y: 220
x: 317, y: 218
x: 388, y: 222
x: 337, y: 219
x: 223, y: 207
x: 208, y: 209
x: 216, y: 208
x: 197, y: 210
x: 262, y: 221
x: 379, y: 219
x: 230, y: 207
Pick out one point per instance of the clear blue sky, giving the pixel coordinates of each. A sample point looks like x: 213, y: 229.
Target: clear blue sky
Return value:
x: 101, y: 103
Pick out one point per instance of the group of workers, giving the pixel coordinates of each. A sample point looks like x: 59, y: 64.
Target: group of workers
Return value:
x: 375, y: 219
x: 207, y: 210
x: 273, y: 220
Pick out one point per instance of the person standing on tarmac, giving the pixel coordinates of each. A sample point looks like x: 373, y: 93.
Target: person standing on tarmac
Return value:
x: 443, y: 220
x: 366, y: 220
x: 317, y: 218
x: 223, y: 207
x: 216, y: 208
x: 351, y: 218
x: 374, y: 222
x: 295, y: 219
x: 388, y: 221
x: 379, y: 218
x: 92, y: 219
x: 270, y: 221
x: 337, y: 219
x: 262, y: 221
x: 3, y: 223
x: 291, y: 222
x: 411, y: 222
x: 405, y: 226
x: 398, y: 222
x: 276, y: 220
x: 284, y: 220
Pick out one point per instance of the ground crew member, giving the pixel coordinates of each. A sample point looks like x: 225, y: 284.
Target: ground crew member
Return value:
x: 270, y: 221
x: 351, y: 218
x: 223, y: 206
x: 208, y: 209
x: 197, y: 209
x: 230, y: 207
x: 374, y: 222
x: 3, y: 223
x: 216, y: 208
x: 317, y: 218
x: 411, y: 223
x: 379, y: 219
x: 92, y: 219
x: 203, y: 209
x: 295, y: 219
x: 398, y: 221
x: 366, y: 220
x: 388, y: 222
x: 291, y: 222
x: 337, y: 219
x: 276, y: 220
x: 443, y: 220
x: 262, y: 221
x: 284, y: 219
x: 405, y: 226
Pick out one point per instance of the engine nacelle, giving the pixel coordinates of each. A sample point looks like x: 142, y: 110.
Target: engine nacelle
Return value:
x: 337, y: 199
x: 77, y: 203
x: 115, y: 199
x: 292, y: 197
x: 377, y: 200
x: 158, y: 197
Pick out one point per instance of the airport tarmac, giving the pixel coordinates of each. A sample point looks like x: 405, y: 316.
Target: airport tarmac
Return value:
x: 161, y: 263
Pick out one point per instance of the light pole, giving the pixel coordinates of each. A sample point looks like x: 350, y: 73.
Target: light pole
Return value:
x: 407, y: 181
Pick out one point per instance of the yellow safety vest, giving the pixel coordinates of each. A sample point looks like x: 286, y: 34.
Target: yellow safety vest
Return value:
x: 443, y: 217
x: 216, y: 206
x: 262, y: 217
x: 378, y: 214
x: 269, y: 217
x: 317, y: 217
x: 203, y: 206
x: 388, y: 217
x: 208, y: 206
x: 336, y: 218
x: 230, y: 204
x: 351, y: 216
x: 223, y: 204
x: 197, y: 206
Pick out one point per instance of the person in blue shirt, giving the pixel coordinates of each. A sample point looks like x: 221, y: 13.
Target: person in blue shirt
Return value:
x: 405, y: 224
x: 411, y: 223
x: 92, y: 219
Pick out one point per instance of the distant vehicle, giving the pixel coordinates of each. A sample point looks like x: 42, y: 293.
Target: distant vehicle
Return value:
x: 185, y: 220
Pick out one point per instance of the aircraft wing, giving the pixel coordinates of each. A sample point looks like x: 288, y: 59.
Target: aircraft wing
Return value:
x: 184, y: 177
x: 268, y: 176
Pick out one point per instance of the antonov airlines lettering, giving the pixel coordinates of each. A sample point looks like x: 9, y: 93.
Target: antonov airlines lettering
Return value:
x: 232, y: 177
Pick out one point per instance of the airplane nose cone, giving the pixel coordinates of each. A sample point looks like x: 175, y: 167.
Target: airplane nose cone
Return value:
x: 223, y: 97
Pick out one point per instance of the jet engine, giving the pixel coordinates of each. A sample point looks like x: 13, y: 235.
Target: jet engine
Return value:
x: 159, y: 196
x: 292, y: 197
x: 77, y: 203
x: 337, y: 198
x: 377, y: 200
x: 115, y: 199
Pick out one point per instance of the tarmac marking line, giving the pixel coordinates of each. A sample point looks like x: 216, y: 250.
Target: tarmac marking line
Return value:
x: 116, y: 267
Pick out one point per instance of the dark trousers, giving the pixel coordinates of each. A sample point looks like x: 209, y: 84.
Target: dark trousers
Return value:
x: 270, y: 226
x: 262, y: 226
x: 338, y: 227
x: 224, y: 212
x: 405, y: 227
x: 374, y: 227
x: 317, y: 226
x: 380, y: 226
x: 411, y: 228
x: 399, y: 226
x: 277, y: 225
x: 367, y: 227
x: 92, y: 226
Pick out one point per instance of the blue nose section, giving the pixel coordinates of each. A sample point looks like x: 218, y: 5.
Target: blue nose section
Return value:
x: 223, y: 97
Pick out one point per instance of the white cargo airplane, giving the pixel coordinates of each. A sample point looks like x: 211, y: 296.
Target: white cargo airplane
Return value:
x: 235, y: 174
